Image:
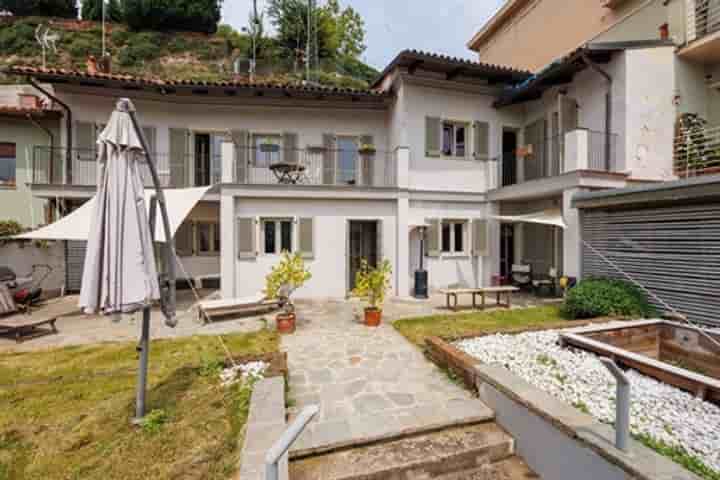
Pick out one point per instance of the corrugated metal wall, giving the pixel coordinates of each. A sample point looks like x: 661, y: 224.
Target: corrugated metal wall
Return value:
x: 672, y: 251
x: 74, y: 262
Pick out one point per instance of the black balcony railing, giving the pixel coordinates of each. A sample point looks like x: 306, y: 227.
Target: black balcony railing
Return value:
x: 315, y: 166
x: 260, y: 166
x: 49, y: 168
x: 546, y: 159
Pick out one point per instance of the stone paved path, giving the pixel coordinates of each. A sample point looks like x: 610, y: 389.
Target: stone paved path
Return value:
x: 370, y: 383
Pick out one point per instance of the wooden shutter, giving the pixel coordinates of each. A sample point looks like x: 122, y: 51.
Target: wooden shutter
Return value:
x: 368, y: 161
x: 432, y: 237
x: 306, y: 238
x: 240, y: 139
x: 184, y: 239
x: 480, y: 237
x: 481, y: 140
x: 568, y: 114
x: 290, y: 145
x: 247, y: 237
x: 178, y: 157
x: 84, y: 141
x: 379, y: 246
x: 433, y: 129
x: 329, y: 159
x: 151, y: 138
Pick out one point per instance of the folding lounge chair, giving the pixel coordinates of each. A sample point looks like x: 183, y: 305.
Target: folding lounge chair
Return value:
x: 41, y: 321
x: 521, y: 275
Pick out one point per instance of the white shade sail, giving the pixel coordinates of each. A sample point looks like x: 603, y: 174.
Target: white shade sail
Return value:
x: 545, y: 217
x: 76, y: 226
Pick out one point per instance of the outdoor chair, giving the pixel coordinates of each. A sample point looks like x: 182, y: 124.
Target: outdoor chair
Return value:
x: 545, y: 283
x: 521, y: 275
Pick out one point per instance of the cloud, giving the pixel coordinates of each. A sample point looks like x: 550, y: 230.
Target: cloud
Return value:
x: 391, y: 26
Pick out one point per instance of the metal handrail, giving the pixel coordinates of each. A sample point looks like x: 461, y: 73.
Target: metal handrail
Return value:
x: 273, y: 456
x: 622, y: 405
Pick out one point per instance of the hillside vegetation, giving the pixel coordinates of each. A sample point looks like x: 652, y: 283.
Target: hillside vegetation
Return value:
x: 170, y: 55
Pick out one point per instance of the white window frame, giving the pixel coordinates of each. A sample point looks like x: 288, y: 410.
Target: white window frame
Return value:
x: 278, y: 234
x: 214, y: 231
x: 13, y: 183
x: 453, y: 139
x: 452, y: 252
x: 255, y: 136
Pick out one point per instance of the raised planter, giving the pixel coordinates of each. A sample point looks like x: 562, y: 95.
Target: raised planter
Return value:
x: 285, y: 323
x: 373, y: 317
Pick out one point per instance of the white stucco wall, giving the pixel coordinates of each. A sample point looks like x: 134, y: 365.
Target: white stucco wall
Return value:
x: 442, y: 173
x: 329, y: 267
x: 450, y: 269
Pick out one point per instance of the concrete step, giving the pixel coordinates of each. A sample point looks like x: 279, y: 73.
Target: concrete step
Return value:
x: 422, y: 457
x: 513, y: 468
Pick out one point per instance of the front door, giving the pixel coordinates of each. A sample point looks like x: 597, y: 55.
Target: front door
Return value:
x: 202, y: 159
x: 363, y: 245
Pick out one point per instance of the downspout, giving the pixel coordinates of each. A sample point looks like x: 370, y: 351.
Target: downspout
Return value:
x: 608, y: 106
x: 50, y: 135
x: 68, y: 128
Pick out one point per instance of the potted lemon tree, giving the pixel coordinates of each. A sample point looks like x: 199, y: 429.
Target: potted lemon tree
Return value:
x: 373, y: 283
x: 286, y: 277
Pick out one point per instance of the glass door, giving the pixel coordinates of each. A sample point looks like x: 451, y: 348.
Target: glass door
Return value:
x: 347, y: 161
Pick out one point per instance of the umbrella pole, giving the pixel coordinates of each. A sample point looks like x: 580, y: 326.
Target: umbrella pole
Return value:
x: 144, y: 345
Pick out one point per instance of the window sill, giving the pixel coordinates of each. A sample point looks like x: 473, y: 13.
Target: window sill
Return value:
x: 5, y: 186
x: 457, y: 255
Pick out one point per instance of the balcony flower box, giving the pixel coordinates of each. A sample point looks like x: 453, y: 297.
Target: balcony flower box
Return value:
x: 366, y: 149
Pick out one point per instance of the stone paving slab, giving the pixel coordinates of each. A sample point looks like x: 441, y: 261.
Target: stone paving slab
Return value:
x: 370, y: 383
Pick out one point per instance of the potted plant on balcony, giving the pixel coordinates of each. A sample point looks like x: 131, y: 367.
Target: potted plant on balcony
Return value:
x: 366, y: 149
x: 286, y: 277
x: 373, y: 283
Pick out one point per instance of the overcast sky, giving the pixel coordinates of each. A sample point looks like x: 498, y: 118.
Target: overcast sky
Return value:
x: 440, y: 26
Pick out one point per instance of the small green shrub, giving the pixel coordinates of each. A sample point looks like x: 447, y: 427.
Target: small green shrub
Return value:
x: 8, y: 228
x: 141, y: 48
x: 81, y: 46
x: 679, y: 455
x: 600, y: 297
x: 153, y: 421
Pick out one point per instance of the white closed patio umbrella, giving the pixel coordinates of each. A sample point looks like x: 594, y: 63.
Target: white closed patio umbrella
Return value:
x: 120, y: 274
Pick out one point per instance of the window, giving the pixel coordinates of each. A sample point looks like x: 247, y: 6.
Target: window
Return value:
x: 347, y: 153
x: 266, y: 149
x: 207, y: 238
x: 454, y: 138
x: 277, y: 236
x: 453, y: 236
x: 7, y: 164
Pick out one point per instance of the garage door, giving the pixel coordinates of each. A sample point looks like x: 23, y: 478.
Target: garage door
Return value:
x: 74, y: 261
x: 672, y: 251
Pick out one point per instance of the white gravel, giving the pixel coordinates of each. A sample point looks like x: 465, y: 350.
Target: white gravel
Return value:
x: 578, y: 378
x: 245, y: 371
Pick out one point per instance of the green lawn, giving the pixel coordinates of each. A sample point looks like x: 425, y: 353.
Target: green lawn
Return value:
x: 476, y: 323
x: 65, y: 412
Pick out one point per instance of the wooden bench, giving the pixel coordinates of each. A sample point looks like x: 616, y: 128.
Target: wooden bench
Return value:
x: 474, y: 292
x: 22, y: 326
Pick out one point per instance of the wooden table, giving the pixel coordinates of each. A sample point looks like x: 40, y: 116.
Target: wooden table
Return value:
x: 287, y: 173
x: 474, y: 292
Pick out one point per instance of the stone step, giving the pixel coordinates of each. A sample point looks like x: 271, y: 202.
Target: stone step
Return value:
x: 425, y: 456
x: 513, y: 468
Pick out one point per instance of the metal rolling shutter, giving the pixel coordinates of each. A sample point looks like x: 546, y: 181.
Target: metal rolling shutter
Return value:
x: 672, y: 251
x: 74, y: 261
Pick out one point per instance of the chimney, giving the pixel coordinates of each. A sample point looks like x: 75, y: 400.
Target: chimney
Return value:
x: 29, y: 101
x: 92, y: 66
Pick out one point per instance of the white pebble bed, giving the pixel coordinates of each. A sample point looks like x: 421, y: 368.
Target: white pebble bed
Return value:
x: 576, y: 376
x: 245, y: 371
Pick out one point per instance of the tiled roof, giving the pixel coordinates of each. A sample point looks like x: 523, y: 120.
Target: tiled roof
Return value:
x: 130, y: 80
x: 438, y: 61
x: 23, y: 111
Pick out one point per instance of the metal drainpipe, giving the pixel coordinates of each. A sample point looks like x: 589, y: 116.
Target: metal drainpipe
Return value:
x: 608, y: 106
x: 68, y: 127
x: 52, y: 146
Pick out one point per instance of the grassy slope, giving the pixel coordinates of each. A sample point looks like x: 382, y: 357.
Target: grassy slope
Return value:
x: 448, y: 326
x: 179, y: 55
x: 65, y: 412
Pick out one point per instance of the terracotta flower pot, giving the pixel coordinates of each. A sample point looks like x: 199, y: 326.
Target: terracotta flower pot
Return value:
x: 373, y: 316
x: 285, y: 323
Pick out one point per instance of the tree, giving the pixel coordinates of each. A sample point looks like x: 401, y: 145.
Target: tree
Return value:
x: 290, y: 18
x: 350, y: 30
x: 92, y: 10
x: 189, y: 15
x: 45, y: 8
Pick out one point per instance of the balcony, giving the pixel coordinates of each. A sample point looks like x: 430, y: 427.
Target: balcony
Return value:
x: 253, y: 166
x: 697, y: 152
x: 48, y: 168
x: 703, y: 31
x: 577, y: 150
x: 316, y: 166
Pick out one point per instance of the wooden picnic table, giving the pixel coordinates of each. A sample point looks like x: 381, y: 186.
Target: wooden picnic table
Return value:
x: 287, y: 173
x: 453, y: 293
